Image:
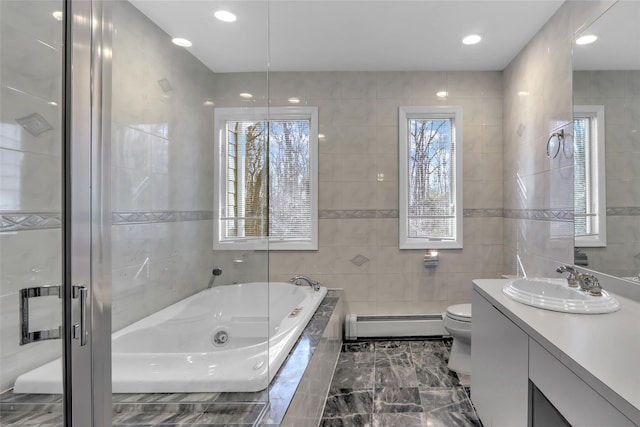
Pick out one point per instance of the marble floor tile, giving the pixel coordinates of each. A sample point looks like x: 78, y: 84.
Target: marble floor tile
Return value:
x: 413, y: 387
x: 436, y: 398
x: 397, y: 376
x: 349, y: 420
x: 356, y: 377
x: 448, y: 418
x: 393, y: 400
x: 436, y: 376
x: 412, y: 419
x: 348, y: 401
x: 357, y: 359
x: 430, y: 358
x: 358, y: 347
x: 393, y: 358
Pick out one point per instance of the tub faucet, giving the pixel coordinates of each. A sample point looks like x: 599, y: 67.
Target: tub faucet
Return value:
x: 297, y: 280
x: 217, y: 271
x: 585, y: 281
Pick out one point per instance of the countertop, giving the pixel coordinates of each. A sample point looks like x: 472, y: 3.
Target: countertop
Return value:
x: 602, y: 349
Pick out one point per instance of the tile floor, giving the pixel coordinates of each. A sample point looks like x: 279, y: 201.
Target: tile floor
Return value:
x: 398, y: 384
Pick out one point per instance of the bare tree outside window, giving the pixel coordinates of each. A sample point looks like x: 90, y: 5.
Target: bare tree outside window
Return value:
x: 266, y: 178
x: 431, y: 209
x: 289, y: 179
x: 286, y: 194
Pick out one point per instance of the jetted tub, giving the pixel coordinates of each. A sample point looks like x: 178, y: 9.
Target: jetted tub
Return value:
x: 222, y: 339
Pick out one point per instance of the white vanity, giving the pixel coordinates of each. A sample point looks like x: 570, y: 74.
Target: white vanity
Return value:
x: 536, y: 367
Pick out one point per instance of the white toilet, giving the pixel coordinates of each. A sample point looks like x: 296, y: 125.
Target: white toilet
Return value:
x: 458, y: 322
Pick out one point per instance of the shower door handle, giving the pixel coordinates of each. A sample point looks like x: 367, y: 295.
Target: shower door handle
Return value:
x: 79, y: 330
x: 26, y: 336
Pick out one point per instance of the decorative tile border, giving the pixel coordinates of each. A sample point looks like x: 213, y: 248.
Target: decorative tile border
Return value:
x: 144, y: 217
x: 624, y: 211
x: 18, y: 221
x: 483, y: 213
x: 394, y: 213
x: 21, y: 221
x: 540, y: 214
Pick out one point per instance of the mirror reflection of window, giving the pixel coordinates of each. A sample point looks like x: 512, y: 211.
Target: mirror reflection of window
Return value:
x: 589, y: 176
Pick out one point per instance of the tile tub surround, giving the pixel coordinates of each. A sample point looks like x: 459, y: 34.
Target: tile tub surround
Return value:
x: 398, y: 383
x: 319, y: 342
x: 358, y: 185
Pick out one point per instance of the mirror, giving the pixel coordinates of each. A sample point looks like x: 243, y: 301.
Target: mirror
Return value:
x: 607, y: 76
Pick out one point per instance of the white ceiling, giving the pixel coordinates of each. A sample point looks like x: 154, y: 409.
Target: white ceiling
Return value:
x: 618, y: 44
x: 350, y: 35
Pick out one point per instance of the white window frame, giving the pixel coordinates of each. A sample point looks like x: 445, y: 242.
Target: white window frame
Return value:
x: 404, y: 115
x: 599, y: 193
x: 221, y: 117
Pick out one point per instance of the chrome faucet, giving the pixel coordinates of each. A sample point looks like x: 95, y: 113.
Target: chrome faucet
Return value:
x: 572, y: 278
x: 585, y: 281
x: 297, y: 280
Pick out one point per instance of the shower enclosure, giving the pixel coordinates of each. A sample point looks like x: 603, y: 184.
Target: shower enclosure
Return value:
x: 106, y: 202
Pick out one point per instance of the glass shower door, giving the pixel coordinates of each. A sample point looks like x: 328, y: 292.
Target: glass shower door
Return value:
x: 52, y: 211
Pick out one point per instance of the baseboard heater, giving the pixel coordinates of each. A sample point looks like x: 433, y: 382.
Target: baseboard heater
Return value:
x: 418, y: 325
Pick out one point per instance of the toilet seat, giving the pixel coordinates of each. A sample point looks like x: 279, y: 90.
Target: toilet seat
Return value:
x: 460, y: 312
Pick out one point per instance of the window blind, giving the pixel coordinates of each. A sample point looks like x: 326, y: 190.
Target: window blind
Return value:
x: 431, y: 178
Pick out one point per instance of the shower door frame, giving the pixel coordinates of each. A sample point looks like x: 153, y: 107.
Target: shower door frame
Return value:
x: 86, y: 213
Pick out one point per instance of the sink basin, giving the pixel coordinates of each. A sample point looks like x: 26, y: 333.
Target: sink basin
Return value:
x: 556, y: 295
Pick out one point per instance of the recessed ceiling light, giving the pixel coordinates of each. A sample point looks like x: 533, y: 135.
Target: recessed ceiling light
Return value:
x: 181, y: 42
x: 208, y: 103
x: 225, y: 15
x: 53, y: 103
x: 321, y: 136
x: 523, y: 93
x: 294, y: 100
x: 57, y: 15
x: 588, y: 39
x: 246, y: 95
x: 442, y: 94
x: 472, y: 39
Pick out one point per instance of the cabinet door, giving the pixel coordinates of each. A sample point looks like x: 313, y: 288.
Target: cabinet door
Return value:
x: 572, y: 397
x: 499, y: 367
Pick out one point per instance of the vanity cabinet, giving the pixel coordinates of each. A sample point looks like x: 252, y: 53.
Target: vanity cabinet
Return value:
x: 499, y: 366
x: 578, y: 403
x: 509, y: 367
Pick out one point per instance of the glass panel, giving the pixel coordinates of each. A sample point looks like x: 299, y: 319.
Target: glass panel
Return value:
x: 175, y: 340
x: 31, y: 58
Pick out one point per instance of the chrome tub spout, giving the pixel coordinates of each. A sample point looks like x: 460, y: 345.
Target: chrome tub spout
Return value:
x: 297, y: 280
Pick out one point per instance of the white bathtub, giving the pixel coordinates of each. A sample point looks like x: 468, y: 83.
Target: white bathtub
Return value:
x: 222, y: 339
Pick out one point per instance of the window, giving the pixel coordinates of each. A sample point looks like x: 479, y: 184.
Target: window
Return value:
x: 589, y: 176
x: 430, y: 177
x: 266, y: 190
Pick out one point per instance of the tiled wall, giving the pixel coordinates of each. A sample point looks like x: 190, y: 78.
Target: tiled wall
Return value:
x: 538, y: 191
x: 30, y: 177
x: 358, y: 114
x: 619, y: 92
x: 162, y: 169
